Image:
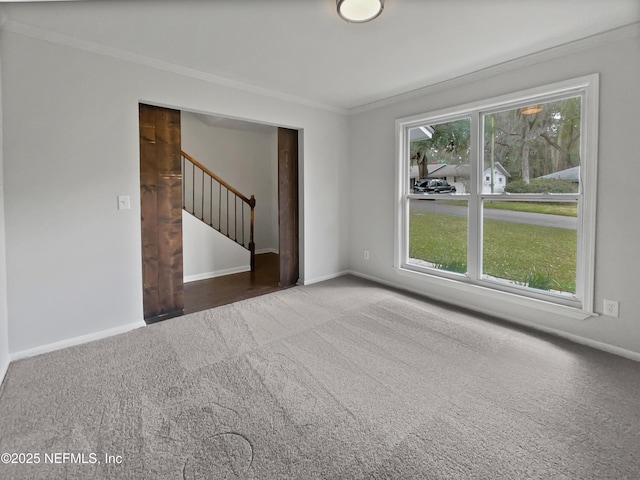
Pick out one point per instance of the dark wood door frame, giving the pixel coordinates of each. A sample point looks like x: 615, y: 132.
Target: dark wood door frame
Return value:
x: 161, y: 212
x: 288, y: 209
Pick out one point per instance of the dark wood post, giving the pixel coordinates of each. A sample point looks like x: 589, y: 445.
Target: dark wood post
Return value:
x: 252, y: 245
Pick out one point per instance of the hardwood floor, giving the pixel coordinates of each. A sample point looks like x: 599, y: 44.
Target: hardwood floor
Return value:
x: 213, y: 292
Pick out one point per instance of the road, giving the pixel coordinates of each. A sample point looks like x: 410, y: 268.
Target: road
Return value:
x: 542, y: 219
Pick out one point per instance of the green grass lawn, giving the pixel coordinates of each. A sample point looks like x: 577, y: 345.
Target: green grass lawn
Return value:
x: 549, y: 208
x: 541, y: 257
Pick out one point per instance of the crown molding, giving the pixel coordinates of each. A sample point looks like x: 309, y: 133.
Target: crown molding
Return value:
x: 117, y: 53
x: 592, y: 41
x: 576, y: 46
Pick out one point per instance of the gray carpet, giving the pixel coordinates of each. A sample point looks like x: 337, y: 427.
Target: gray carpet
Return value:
x: 338, y: 380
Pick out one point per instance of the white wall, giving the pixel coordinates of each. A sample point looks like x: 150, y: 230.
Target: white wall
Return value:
x: 247, y: 160
x: 4, y: 324
x: 206, y: 253
x: 71, y: 146
x: 617, y: 275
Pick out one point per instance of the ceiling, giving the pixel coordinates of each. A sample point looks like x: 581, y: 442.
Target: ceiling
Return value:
x: 301, y: 48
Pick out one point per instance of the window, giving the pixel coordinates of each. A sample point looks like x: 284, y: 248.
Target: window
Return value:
x: 503, y: 193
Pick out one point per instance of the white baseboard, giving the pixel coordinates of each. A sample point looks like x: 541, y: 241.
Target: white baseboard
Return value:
x: 90, y: 337
x: 325, y: 277
x: 605, y: 347
x: 3, y: 371
x: 217, y: 273
x: 267, y: 250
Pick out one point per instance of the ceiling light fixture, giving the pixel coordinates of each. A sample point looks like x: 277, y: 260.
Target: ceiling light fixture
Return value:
x: 359, y: 11
x: 530, y: 110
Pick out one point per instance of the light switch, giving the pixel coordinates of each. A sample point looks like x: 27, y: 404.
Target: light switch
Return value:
x: 124, y: 202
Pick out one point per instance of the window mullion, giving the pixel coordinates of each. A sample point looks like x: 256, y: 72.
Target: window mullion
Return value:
x: 474, y: 247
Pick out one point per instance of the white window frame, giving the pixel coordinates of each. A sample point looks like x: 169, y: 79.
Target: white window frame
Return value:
x: 581, y: 305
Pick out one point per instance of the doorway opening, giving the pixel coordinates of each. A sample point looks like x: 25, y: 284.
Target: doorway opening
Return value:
x: 261, y: 160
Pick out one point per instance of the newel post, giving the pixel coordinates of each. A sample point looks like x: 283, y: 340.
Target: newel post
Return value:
x: 252, y: 245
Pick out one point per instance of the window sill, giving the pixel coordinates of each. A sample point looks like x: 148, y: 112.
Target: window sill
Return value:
x: 467, y: 290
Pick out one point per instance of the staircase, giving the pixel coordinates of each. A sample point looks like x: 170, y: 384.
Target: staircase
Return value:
x: 216, y: 203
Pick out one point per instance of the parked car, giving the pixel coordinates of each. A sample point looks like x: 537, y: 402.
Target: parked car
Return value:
x: 434, y: 185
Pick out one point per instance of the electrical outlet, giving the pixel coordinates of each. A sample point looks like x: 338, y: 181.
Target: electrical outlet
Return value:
x: 366, y: 254
x: 610, y: 308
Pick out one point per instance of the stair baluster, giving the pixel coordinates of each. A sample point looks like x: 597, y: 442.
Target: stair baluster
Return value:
x: 192, y: 190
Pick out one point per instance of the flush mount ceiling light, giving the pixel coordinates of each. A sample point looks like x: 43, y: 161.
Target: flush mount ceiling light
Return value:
x: 359, y: 11
x: 530, y: 110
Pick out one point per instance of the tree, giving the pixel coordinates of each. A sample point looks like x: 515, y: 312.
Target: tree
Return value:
x: 532, y: 145
x: 566, y: 138
x: 448, y: 144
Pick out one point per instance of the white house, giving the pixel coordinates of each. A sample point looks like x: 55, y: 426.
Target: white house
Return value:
x: 499, y: 178
x: 458, y: 176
